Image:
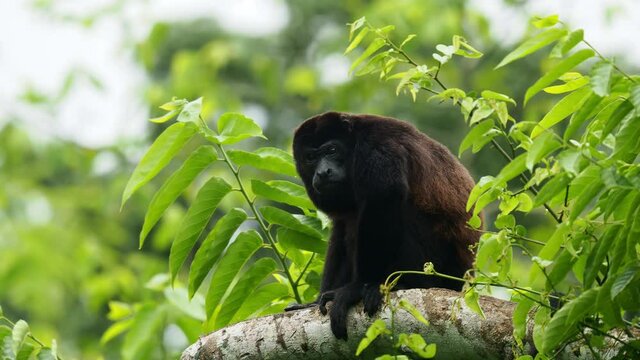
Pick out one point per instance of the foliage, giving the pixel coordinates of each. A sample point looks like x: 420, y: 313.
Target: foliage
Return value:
x: 230, y: 250
x: 407, y: 345
x: 18, y: 343
x: 578, y: 164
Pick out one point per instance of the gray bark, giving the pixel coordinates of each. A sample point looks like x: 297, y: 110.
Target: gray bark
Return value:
x: 305, y: 334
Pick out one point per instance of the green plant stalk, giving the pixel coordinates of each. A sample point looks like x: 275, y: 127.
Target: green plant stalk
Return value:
x: 472, y: 283
x: 263, y: 226
x: 602, y: 57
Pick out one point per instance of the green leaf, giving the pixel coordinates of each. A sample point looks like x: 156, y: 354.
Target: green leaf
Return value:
x: 484, y: 184
x: 195, y: 220
x: 417, y: 344
x: 119, y: 310
x: 563, y: 108
x: 570, y: 85
x: 472, y: 299
x: 166, y: 117
x: 543, y: 22
x: 610, y: 310
x: 512, y: 169
x: 624, y: 279
x: 235, y: 127
x: 520, y: 314
x: 502, y: 112
x: 357, y: 40
x: 230, y: 264
x: 464, y: 49
x: 540, y: 322
x: 407, y: 39
x: 174, y: 104
x: 454, y: 94
x: 580, y: 116
x: 356, y: 25
x: 191, y: 111
x: 616, y: 117
x: 158, y: 156
x: 283, y: 191
x: 480, y: 132
x: 46, y: 354
x: 488, y: 94
x: 375, y: 63
x: 586, y: 197
x: 553, y: 187
x: 567, y: 43
x: 532, y: 45
x: 404, y: 304
x: 141, y: 338
x: 540, y: 148
x: 175, y: 185
x: 627, y: 140
x: 259, y: 299
x: 283, y: 218
x: 553, y: 74
x: 634, y: 97
x: 243, y: 289
x: 505, y: 221
x: 377, y: 328
x: 405, y: 80
x: 19, y: 334
x: 598, y: 254
x: 114, y: 330
x: 550, y: 249
x: 212, y: 247
x: 601, y: 77
x: 570, y: 160
x: 483, y: 111
x: 291, y: 239
x: 562, y: 324
x: 266, y: 158
x: 179, y: 298
x: 375, y: 45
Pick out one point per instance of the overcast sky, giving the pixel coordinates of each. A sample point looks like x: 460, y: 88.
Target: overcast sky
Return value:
x: 40, y: 51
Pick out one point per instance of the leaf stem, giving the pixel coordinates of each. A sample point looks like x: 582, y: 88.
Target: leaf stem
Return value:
x: 263, y: 225
x: 609, y: 61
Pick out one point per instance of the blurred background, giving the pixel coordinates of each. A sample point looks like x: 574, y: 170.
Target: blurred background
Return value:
x: 79, y: 79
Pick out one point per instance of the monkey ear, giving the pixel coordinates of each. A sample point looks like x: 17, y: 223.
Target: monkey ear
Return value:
x: 346, y: 121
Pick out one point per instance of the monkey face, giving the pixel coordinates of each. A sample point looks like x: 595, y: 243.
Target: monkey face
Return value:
x: 328, y: 165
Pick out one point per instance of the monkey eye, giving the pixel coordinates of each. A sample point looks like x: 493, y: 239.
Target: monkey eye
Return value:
x: 310, y: 156
x: 331, y: 149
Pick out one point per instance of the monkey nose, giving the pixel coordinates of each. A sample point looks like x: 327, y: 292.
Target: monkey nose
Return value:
x: 324, y: 174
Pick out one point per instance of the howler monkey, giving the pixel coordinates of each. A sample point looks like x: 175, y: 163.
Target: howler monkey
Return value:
x: 397, y: 199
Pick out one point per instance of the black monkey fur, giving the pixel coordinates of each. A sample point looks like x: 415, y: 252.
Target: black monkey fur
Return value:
x: 397, y: 199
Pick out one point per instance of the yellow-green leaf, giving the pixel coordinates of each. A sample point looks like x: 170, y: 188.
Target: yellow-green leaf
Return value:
x: 553, y: 74
x: 532, y: 45
x: 195, y: 220
x: 212, y: 247
x: 229, y: 266
x: 266, y: 158
x: 163, y: 149
x: 242, y: 291
x: 561, y: 110
x: 175, y: 185
x: 472, y: 299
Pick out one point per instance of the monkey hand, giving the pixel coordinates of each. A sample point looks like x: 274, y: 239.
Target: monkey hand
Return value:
x: 343, y: 299
x: 296, y: 306
x: 371, y: 298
